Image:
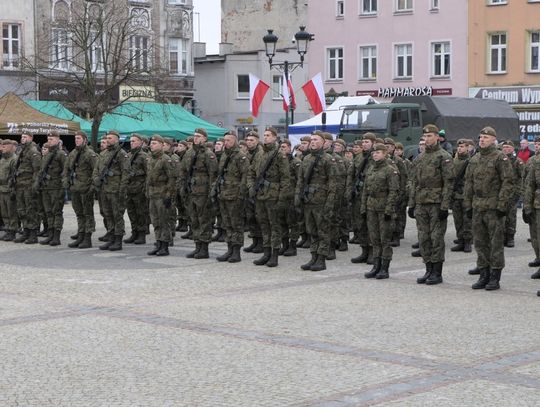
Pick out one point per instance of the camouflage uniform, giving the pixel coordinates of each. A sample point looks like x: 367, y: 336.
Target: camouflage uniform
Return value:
x: 531, y: 206
x: 288, y: 216
x: 340, y: 203
x: 8, y: 206
x: 531, y: 219
x: 461, y: 221
x: 136, y: 200
x: 401, y: 202
x: 511, y: 213
x: 251, y: 219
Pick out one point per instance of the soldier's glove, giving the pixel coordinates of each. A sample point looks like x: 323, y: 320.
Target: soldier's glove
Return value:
x: 500, y: 214
x: 387, y: 217
x: 410, y: 212
x: 469, y: 213
x: 526, y: 217
x: 443, y: 214
x: 167, y: 203
x: 12, y: 197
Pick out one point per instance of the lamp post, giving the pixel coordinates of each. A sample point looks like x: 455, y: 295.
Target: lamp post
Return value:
x: 302, y: 39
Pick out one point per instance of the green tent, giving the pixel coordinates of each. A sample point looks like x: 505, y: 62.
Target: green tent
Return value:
x: 53, y: 108
x: 148, y: 118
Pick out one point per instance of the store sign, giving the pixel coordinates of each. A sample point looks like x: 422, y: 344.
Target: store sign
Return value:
x: 515, y: 95
x: 392, y: 92
x: 50, y: 90
x: 137, y: 93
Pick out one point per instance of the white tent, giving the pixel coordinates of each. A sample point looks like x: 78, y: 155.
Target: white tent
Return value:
x: 333, y: 118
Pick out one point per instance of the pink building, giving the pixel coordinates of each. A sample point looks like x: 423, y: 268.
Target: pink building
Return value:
x: 385, y: 48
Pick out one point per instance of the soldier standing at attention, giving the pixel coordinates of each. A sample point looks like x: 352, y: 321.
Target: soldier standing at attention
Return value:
x: 220, y: 231
x: 488, y: 190
x: 381, y: 190
x: 160, y: 189
x: 77, y: 178
x: 229, y: 191
x: 8, y: 206
x: 429, y: 200
x: 269, y: 184
x: 401, y: 202
x: 198, y: 173
x: 180, y: 150
x: 304, y: 242
x: 517, y: 173
x: 253, y: 147
x: 532, y: 219
x: 169, y: 150
x: 101, y: 156
x: 461, y: 221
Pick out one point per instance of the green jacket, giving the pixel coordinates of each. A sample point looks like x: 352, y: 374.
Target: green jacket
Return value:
x: 198, y: 170
x: 7, y: 168
x: 381, y: 188
x: 160, y: 179
x: 137, y: 171
x: 52, y: 169
x: 79, y: 168
x: 28, y: 165
x: 111, y: 172
x: 460, y: 167
x: 320, y: 189
x: 231, y: 181
x: 277, y: 180
x: 356, y: 174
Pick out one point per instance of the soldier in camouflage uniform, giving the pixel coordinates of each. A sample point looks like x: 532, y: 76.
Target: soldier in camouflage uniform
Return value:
x: 379, y: 197
x: 101, y: 156
x: 461, y: 221
x: 253, y: 146
x: 77, y: 178
x: 136, y: 200
x: 518, y: 167
x: 401, y: 221
x: 531, y: 220
x: 220, y: 231
x: 401, y: 203
x: 316, y: 192
x: 198, y: 173
x: 430, y: 193
x: 8, y: 206
x: 304, y: 242
x: 340, y: 237
x: 269, y: 184
x: 343, y: 208
x: 229, y: 191
x: 169, y: 150
x: 488, y: 190
x: 160, y: 190
x: 182, y: 216
x: 110, y: 177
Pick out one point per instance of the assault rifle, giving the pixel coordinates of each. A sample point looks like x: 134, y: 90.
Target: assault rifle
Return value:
x: 44, y: 174
x: 220, y: 179
x: 73, y: 169
x: 188, y: 187
x: 309, y: 175
x: 261, y: 180
x: 107, y: 169
x: 359, y: 179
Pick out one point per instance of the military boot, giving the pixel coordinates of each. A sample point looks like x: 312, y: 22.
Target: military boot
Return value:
x: 106, y: 237
x: 509, y: 241
x: 225, y: 256
x: 459, y: 247
x: 264, y: 258
x: 87, y: 241
x: 436, y: 276
x: 534, y: 263
x: 192, y: 254
x: 249, y: 249
x: 494, y: 278
x: 156, y: 248
x: 188, y: 234
x: 182, y: 226
x: 303, y: 238
x: 78, y: 241
x: 284, y: 246
x: 140, y: 238
x: 44, y: 232
x: 55, y: 241
x: 235, y: 256
x: 203, y: 253
x: 482, y: 280
x: 23, y: 236
x: 383, y: 272
x: 417, y: 245
x: 9, y: 236
x: 49, y: 238
x: 306, y: 244
x: 131, y: 239
x: 363, y: 256
x: 355, y: 239
x: 163, y: 249
x: 429, y: 270
x: 72, y: 237
x: 218, y: 236
x: 474, y: 272
x: 116, y: 243
x: 291, y: 250
x: 320, y: 263
x: 343, y: 246
x: 273, y: 260
x: 259, y: 246
x: 416, y: 253
x: 32, y: 237
x: 375, y: 269
x: 536, y: 275
x: 467, y: 247
x: 331, y: 252
x: 310, y: 263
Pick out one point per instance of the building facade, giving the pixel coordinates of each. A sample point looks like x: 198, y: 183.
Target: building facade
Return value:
x: 504, y: 58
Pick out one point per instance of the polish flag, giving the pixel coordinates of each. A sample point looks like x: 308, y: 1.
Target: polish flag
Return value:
x: 257, y: 90
x: 314, y: 91
x: 288, y: 93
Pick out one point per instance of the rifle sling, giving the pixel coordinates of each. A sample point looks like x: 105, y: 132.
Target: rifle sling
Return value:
x: 266, y: 167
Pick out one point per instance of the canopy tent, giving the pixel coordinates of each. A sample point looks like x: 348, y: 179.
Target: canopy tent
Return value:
x: 17, y: 117
x: 54, y: 108
x: 333, y: 118
x: 147, y: 118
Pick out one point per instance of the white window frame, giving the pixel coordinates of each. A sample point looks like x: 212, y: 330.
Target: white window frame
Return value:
x: 496, y: 2
x: 277, y: 86
x: 242, y: 95
x: 372, y: 8
x: 502, y: 53
x: 176, y: 2
x: 532, y: 46
x: 373, y: 55
x: 180, y: 47
x: 96, y: 52
x: 404, y: 6
x: 337, y: 61
x: 139, y: 52
x: 61, y: 49
x: 397, y: 55
x: 340, y: 8
x: 434, y: 5
x: 10, y: 60
x: 441, y: 55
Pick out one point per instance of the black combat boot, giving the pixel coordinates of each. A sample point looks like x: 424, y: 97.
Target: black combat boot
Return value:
x: 355, y: 238
x: 273, y: 260
x: 259, y: 246
x: 467, y: 247
x: 320, y: 263
x: 363, y: 256
x: 416, y: 253
x: 306, y: 244
x: 163, y: 249
x: 235, y: 256
x: 188, y: 234
x: 249, y: 249
x: 343, y: 246
x: 9, y: 236
x: 87, y: 241
x: 284, y: 246
x: 106, y: 237
x: 482, y: 280
x: 140, y: 238
x: 156, y: 248
x: 429, y: 270
x: 182, y: 226
x: 331, y: 252
x: 106, y: 245
x: 72, y: 237
x: 44, y: 232
x: 225, y: 256
x: 192, y: 254
x: 459, y: 247
x: 474, y: 272
x: 218, y: 236
x: 49, y: 238
x: 417, y: 245
x: 383, y: 272
x: 267, y: 252
x: 375, y: 269
x: 303, y: 238
x: 494, y: 278
x: 534, y: 263
x: 131, y: 239
x: 456, y: 241
x: 203, y: 253
x: 116, y: 243
x: 55, y: 241
x: 310, y: 263
x: 509, y: 241
x: 23, y: 236
x: 291, y: 250
x: 436, y: 276
x: 78, y: 241
x: 32, y: 236
x: 536, y: 275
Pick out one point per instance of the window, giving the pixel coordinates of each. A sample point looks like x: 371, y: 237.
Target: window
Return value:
x: 368, y: 62
x: 496, y: 2
x: 434, y: 5
x: 403, y: 61
x: 404, y: 5
x: 441, y: 58
x: 242, y: 86
x: 534, y: 53
x: 96, y: 52
x: 61, y: 50
x: 277, y: 81
x: 369, y: 7
x: 340, y: 8
x: 139, y: 52
x: 177, y: 1
x: 11, y: 45
x: 179, y: 56
x: 334, y: 57
x: 497, y: 53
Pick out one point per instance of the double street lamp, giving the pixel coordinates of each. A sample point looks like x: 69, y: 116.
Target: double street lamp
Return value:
x: 302, y: 39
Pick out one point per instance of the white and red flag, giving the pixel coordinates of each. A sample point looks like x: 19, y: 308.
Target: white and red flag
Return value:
x: 289, y: 101
x: 257, y: 90
x: 314, y: 91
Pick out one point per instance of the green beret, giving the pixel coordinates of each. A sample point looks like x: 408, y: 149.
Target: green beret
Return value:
x: 340, y: 141
x: 488, y: 131
x: 380, y: 147
x: 508, y: 143
x: 369, y: 136
x: 327, y: 136
x: 430, y: 128
x: 389, y: 140
x: 306, y: 138
x: 158, y: 138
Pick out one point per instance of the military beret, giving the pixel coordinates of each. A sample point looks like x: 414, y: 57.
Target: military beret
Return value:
x: 471, y: 142
x: 488, y: 131
x: 158, y: 138
x: 389, y: 140
x: 369, y: 136
x: 169, y: 140
x: 306, y: 138
x: 508, y: 143
x: 12, y: 142
x: 46, y: 145
x: 462, y: 141
x: 53, y: 133
x: 183, y: 142
x: 272, y: 130
x: 82, y: 134
x: 340, y: 141
x: 114, y: 132
x: 399, y: 146
x: 286, y: 141
x: 357, y: 142
x: 327, y: 136
x: 202, y: 131
x: 3, y: 142
x: 380, y: 147
x: 144, y: 139
x: 253, y: 133
x: 189, y: 139
x: 430, y: 128
x: 379, y: 140
x: 136, y: 136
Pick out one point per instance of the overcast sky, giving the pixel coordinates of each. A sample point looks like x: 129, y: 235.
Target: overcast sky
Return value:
x: 208, y: 12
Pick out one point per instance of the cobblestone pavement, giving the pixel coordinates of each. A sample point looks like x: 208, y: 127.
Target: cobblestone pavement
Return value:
x: 94, y: 328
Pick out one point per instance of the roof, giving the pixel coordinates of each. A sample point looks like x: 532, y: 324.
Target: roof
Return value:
x: 55, y: 108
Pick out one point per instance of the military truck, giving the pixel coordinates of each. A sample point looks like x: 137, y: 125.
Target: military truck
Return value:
x: 404, y: 118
